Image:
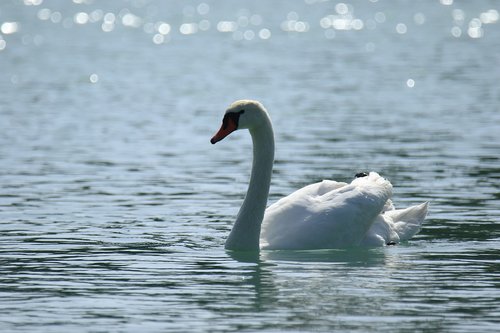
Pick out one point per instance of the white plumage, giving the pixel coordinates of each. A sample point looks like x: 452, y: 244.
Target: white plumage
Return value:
x: 332, y: 214
x: 323, y: 215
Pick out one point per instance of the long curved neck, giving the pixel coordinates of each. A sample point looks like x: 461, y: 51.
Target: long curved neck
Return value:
x: 246, y: 230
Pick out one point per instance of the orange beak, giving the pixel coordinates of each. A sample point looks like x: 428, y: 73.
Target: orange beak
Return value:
x: 228, y: 126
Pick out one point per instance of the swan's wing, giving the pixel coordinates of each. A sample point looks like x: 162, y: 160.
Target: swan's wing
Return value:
x: 326, y: 214
x: 396, y: 225
x: 407, y: 222
x: 311, y: 190
x: 388, y: 206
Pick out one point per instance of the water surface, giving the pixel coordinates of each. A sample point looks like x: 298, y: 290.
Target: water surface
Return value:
x: 114, y: 207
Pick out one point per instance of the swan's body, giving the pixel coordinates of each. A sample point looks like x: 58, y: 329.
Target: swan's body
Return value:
x: 323, y: 215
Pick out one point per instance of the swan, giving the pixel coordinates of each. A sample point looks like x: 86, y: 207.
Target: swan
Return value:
x: 324, y: 215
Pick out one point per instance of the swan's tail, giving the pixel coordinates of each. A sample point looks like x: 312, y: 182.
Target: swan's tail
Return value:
x: 408, y: 221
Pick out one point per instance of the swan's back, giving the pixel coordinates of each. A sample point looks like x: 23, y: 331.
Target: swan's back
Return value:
x: 327, y: 214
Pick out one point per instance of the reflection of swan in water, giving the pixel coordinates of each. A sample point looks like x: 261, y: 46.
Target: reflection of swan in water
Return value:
x: 264, y: 273
x: 349, y: 257
x: 324, y: 215
x: 259, y: 276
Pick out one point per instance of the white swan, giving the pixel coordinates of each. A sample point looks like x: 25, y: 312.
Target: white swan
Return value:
x: 323, y: 215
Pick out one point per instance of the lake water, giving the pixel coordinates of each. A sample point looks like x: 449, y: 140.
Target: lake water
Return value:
x: 114, y: 206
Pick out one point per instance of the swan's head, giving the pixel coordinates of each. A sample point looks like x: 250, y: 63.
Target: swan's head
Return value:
x: 240, y: 115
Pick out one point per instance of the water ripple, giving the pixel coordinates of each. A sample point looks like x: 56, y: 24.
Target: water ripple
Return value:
x: 114, y: 207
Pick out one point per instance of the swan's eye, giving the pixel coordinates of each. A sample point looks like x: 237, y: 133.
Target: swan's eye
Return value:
x: 234, y: 117
x: 361, y: 174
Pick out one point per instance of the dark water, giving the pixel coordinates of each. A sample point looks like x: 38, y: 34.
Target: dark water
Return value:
x: 114, y: 207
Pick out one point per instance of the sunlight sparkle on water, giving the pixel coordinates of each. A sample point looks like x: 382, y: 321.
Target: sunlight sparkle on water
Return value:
x: 475, y: 28
x: 293, y: 24
x: 341, y: 8
x: 244, y: 25
x: 163, y: 28
x: 109, y: 22
x: 33, y: 2
x: 96, y: 15
x: 8, y: 28
x: 109, y: 18
x: 227, y: 26
x: 343, y: 19
x: 456, y: 32
x: 81, y: 18
x: 131, y: 20
x: 490, y: 16
x: 265, y: 33
x: 419, y: 18
x: 458, y: 15
x: 203, y: 8
x: 380, y: 17
x: 93, y: 78
x: 55, y: 17
x: 249, y: 35
x: 44, y: 14
x: 188, y: 28
x: 158, y: 39
x: 401, y: 28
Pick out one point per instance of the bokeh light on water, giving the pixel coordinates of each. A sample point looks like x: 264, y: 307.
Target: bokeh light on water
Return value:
x: 114, y: 206
x: 201, y: 17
